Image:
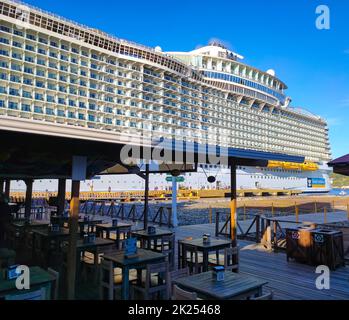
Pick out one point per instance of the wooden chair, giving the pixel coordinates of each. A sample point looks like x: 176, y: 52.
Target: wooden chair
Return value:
x: 180, y: 294
x: 173, y: 275
x: 167, y: 246
x: 33, y: 295
x: 55, y: 288
x: 148, y: 289
x: 111, y: 279
x: 267, y: 296
x: 231, y: 255
x: 193, y: 259
x: 107, y: 280
x: 226, y: 259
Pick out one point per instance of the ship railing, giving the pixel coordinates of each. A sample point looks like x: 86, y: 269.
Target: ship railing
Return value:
x: 104, y: 34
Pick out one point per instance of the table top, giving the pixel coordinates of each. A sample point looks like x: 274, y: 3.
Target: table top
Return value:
x: 158, y: 233
x: 6, y: 253
x: 91, y: 221
x: 214, y: 243
x: 32, y: 224
x: 233, y: 285
x: 37, y: 276
x: 142, y: 257
x: 99, y: 242
x: 109, y: 226
x: 46, y: 233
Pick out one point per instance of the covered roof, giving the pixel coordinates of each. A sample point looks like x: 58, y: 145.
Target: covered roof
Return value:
x: 28, y: 155
x: 340, y: 165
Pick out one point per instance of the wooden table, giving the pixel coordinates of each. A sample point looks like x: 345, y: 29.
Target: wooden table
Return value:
x: 96, y: 248
x: 149, y: 240
x: 213, y: 246
x: 31, y: 225
x: 7, y: 257
x: 138, y: 262
x: 120, y: 228
x: 235, y: 286
x: 46, y: 242
x: 39, y: 278
x: 17, y: 231
x: 91, y: 224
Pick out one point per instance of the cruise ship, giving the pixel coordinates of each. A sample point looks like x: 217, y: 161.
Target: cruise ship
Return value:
x: 59, y: 72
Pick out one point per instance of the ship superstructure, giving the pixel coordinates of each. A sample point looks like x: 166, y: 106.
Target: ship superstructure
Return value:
x: 63, y: 74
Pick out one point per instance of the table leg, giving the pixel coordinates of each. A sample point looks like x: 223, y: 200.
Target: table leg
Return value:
x: 96, y: 261
x: 118, y: 239
x: 139, y: 276
x: 149, y: 244
x: 184, y: 256
x: 125, y: 284
x: 205, y: 257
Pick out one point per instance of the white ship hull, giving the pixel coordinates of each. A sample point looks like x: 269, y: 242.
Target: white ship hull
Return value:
x: 247, y: 178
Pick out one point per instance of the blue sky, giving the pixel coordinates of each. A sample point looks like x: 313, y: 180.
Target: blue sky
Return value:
x: 270, y: 34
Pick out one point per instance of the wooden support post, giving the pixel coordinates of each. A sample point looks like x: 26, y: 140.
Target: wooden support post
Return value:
x: 146, y: 197
x: 325, y: 214
x: 268, y: 236
x: 2, y: 184
x: 297, y: 213
x: 28, y: 199
x: 272, y: 209
x: 244, y: 211
x: 348, y: 210
x: 210, y: 214
x: 217, y: 223
x: 7, y: 188
x: 315, y: 207
x: 233, y: 213
x: 333, y: 206
x: 174, y: 201
x: 275, y: 235
x: 73, y: 237
x: 61, y: 196
x: 258, y: 220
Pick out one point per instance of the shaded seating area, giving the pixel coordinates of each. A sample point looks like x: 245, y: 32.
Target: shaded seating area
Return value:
x: 67, y: 253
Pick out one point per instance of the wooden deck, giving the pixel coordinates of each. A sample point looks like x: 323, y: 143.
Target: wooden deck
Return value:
x: 288, y: 280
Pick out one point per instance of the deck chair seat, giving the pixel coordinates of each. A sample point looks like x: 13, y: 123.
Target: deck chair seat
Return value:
x: 265, y: 296
x: 33, y: 295
x: 180, y: 294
